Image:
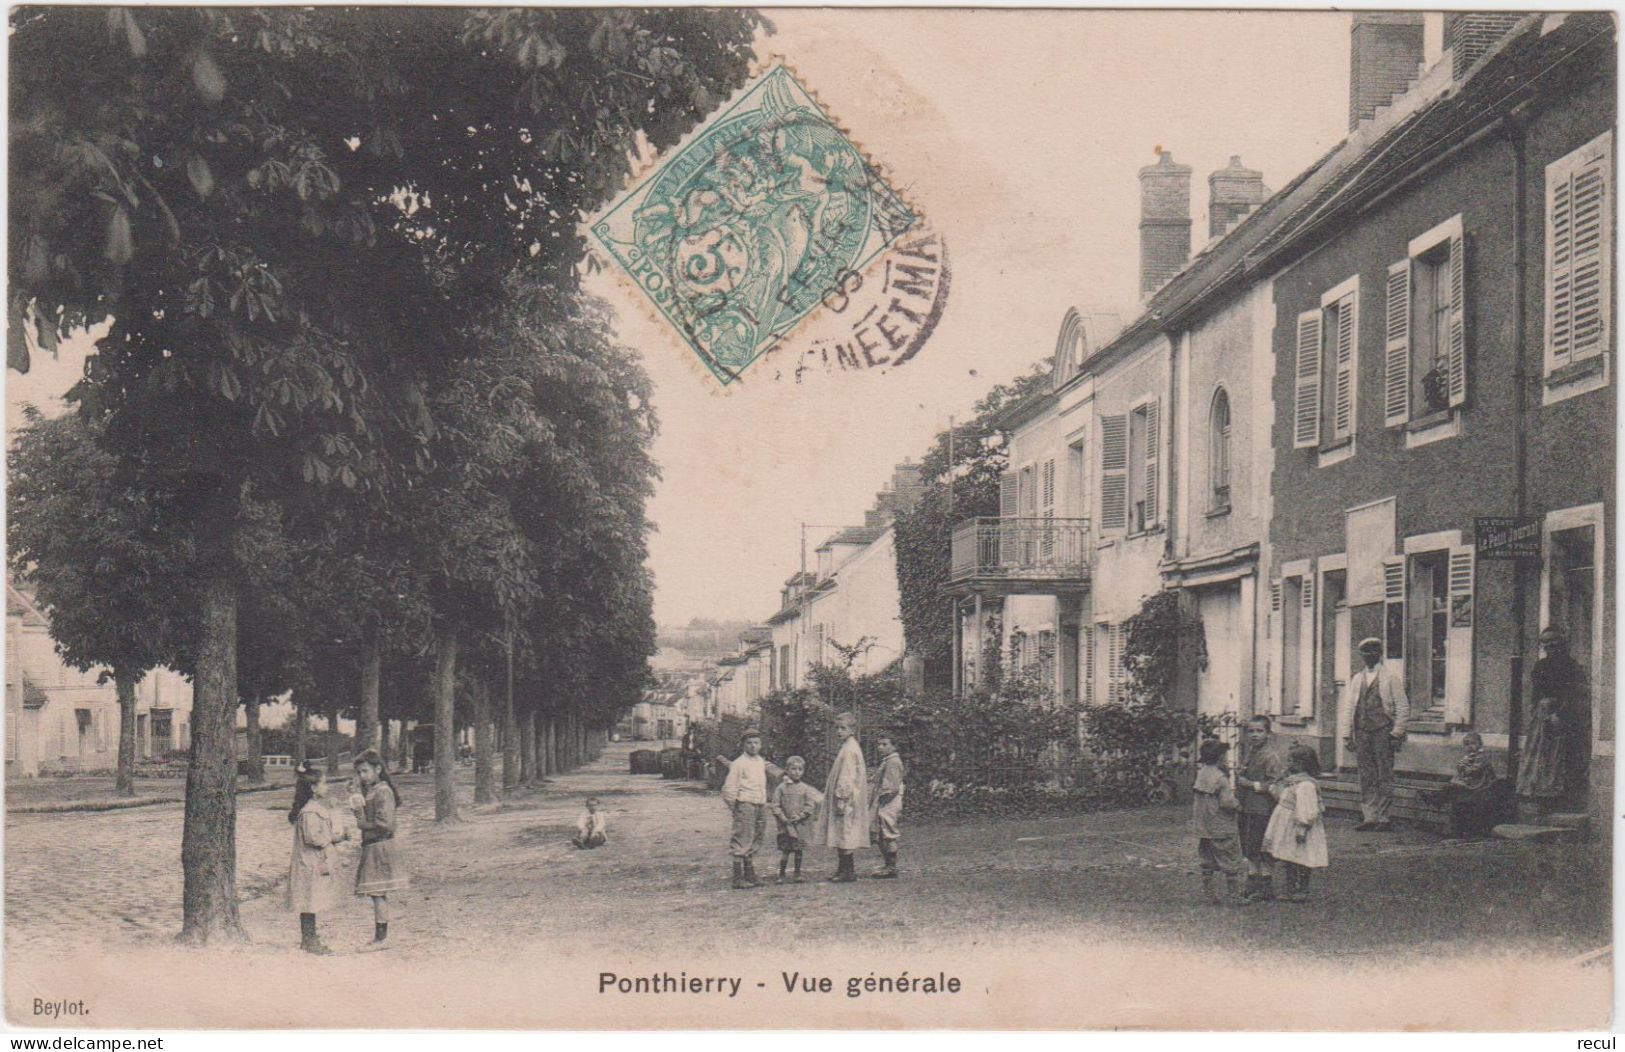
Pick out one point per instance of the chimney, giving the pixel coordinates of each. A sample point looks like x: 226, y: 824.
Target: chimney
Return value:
x: 1232, y: 193
x: 1385, y: 55
x: 1165, y: 221
x: 1469, y: 35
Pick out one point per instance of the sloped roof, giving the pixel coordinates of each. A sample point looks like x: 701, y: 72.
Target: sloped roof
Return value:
x: 1529, y: 61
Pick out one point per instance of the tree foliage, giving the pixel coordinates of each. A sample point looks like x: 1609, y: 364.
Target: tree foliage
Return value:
x: 925, y: 532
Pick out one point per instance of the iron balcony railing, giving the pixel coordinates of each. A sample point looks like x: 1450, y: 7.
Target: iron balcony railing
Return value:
x: 1027, y: 548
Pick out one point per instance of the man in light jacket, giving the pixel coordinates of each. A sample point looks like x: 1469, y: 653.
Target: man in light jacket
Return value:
x: 1373, y: 716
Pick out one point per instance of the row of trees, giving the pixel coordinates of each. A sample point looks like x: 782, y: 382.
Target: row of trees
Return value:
x: 353, y: 431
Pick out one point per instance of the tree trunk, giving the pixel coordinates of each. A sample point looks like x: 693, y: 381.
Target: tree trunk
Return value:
x: 528, y: 775
x: 445, y: 736
x: 209, y: 836
x: 511, y: 773
x: 256, y: 747
x: 366, y: 724
x: 125, y: 681
x: 553, y: 764
x: 300, y: 721
x: 409, y: 746
x: 332, y: 738
x: 383, y: 741
x: 484, y: 729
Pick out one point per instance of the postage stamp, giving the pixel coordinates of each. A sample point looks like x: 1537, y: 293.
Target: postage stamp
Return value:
x: 766, y: 213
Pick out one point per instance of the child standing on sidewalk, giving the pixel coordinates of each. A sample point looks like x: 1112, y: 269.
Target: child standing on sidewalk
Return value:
x: 382, y: 870
x: 745, y: 793
x: 886, y: 797
x: 313, y: 884
x: 1296, y: 835
x: 1213, y: 820
x: 794, y: 804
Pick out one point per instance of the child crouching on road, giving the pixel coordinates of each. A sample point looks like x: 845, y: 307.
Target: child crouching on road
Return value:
x: 794, y: 805
x: 1213, y: 820
x: 1296, y: 835
x: 591, y: 828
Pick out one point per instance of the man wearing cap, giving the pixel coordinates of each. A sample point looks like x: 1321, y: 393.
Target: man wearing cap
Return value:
x: 1373, y: 716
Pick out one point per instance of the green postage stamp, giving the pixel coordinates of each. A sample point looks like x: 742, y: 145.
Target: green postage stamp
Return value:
x: 767, y: 211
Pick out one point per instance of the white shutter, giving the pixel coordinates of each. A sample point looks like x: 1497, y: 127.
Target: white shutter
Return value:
x: 1087, y: 693
x: 1458, y: 674
x: 1343, y: 372
x: 1275, y: 687
x: 1114, y: 664
x: 1457, y: 351
x: 1114, y: 473
x: 1306, y: 648
x: 1009, y: 508
x: 1393, y: 606
x: 1152, y: 441
x: 1306, y: 387
x: 1579, y: 251
x: 1046, y: 509
x: 1396, y: 403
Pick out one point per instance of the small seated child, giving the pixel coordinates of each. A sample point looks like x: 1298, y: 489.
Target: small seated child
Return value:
x: 1473, y: 794
x: 794, y: 805
x: 591, y: 828
x: 1213, y: 820
x: 1296, y: 835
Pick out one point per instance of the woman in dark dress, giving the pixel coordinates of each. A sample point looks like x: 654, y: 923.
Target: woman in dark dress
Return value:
x: 1553, y: 770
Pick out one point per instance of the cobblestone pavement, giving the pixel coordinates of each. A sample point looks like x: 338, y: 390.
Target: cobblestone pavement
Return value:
x: 80, y: 878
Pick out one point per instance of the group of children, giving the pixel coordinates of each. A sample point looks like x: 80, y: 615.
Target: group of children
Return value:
x: 319, y: 826
x: 1273, y: 815
x: 862, y: 807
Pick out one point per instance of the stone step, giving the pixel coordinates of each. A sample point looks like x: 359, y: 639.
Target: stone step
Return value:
x: 1540, y: 834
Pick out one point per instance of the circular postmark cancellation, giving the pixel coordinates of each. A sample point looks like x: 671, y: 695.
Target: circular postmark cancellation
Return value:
x: 766, y: 216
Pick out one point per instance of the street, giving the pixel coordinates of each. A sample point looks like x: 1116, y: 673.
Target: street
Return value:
x: 504, y: 886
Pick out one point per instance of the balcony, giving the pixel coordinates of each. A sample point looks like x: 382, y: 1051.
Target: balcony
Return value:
x: 1016, y: 555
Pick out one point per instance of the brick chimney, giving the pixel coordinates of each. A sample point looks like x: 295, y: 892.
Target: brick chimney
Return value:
x: 1232, y: 193
x: 1385, y: 55
x: 1165, y: 221
x: 1469, y: 35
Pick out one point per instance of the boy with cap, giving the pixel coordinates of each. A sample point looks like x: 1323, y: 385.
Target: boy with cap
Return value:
x: 1213, y: 820
x: 745, y: 793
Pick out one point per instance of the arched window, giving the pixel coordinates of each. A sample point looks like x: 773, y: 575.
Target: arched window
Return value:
x: 1218, y: 452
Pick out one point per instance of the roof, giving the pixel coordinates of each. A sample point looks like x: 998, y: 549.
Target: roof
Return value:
x: 856, y: 535
x: 1535, y: 57
x: 18, y: 604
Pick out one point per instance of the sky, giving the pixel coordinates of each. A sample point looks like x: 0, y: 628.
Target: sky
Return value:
x: 1019, y: 135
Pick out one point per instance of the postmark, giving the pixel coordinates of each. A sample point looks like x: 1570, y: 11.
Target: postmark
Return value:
x: 766, y: 215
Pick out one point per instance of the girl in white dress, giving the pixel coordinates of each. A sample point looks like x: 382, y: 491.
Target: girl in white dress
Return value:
x: 1296, y: 835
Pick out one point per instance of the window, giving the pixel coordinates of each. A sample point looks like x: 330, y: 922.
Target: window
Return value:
x: 784, y: 665
x: 1292, y: 631
x: 1579, y: 253
x: 1076, y: 466
x: 1105, y: 661
x: 1428, y: 597
x: 1218, y: 452
x: 1425, y: 331
x: 1326, y: 356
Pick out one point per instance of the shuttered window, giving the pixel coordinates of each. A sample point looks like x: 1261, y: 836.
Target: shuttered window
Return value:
x: 1046, y: 510
x: 1579, y: 253
x: 1339, y: 321
x: 1393, y: 599
x: 1151, y: 417
x: 1306, y: 387
x: 1087, y: 691
x: 1114, y: 473
x: 1426, y: 363
x: 1458, y: 699
x: 1009, y: 509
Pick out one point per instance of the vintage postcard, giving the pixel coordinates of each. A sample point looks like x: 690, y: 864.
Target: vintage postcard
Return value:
x: 809, y: 519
